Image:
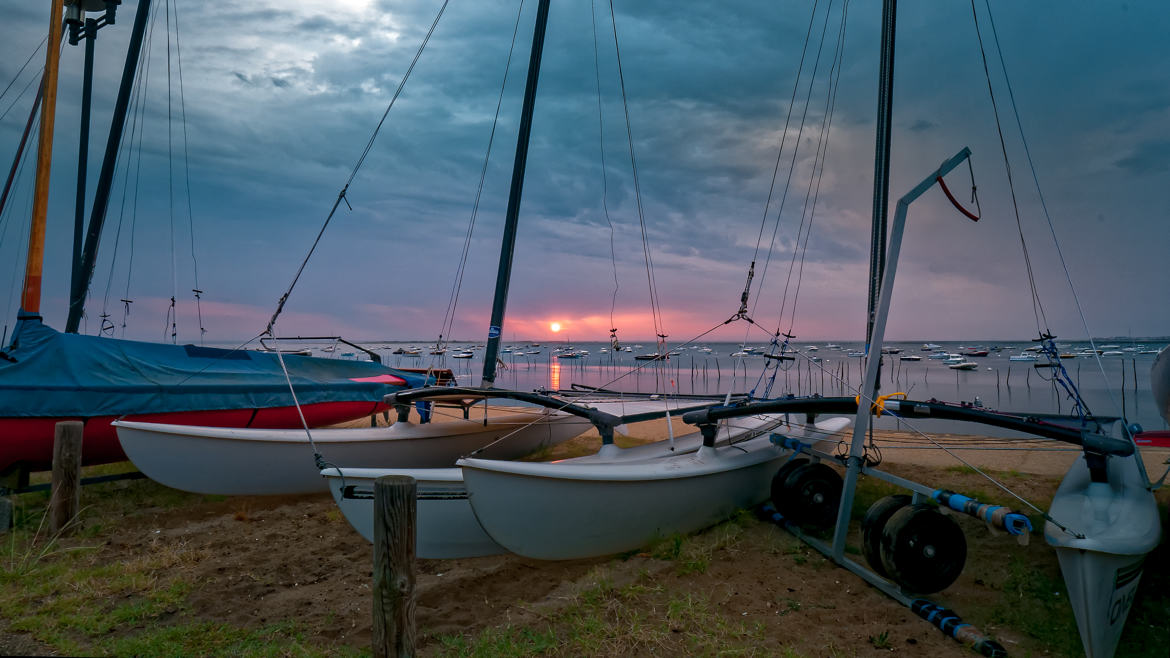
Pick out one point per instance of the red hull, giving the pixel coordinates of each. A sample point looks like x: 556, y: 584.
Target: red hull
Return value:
x: 29, y: 441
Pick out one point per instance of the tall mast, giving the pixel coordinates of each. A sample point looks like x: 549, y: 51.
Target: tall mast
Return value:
x: 30, y: 298
x: 881, y: 166
x: 504, y: 275
x: 84, y: 264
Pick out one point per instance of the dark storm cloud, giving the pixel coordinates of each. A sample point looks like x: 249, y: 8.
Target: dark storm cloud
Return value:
x: 1147, y: 158
x: 281, y: 98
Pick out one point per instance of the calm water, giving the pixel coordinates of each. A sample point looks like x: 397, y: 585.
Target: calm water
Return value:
x: 998, y: 382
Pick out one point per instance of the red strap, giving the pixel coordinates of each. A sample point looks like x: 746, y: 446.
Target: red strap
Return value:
x: 941, y: 183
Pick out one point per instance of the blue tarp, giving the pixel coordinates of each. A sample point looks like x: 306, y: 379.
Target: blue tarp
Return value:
x: 50, y: 374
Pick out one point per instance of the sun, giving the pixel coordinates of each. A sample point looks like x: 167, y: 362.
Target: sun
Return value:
x: 555, y: 326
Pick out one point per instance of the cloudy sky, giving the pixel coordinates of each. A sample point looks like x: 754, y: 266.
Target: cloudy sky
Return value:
x: 280, y: 98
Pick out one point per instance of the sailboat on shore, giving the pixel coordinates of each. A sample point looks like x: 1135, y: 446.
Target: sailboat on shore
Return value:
x: 47, y: 376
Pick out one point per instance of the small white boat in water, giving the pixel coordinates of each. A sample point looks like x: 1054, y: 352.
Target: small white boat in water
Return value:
x: 963, y: 365
x: 1022, y: 357
x: 232, y: 461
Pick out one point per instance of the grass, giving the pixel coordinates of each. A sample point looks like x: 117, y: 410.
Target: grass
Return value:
x: 65, y: 595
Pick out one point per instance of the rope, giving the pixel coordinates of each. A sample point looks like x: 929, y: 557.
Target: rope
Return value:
x: 356, y: 167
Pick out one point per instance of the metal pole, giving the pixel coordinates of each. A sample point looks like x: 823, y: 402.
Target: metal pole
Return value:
x: 881, y: 165
x: 101, y: 196
x: 508, y: 248
x: 90, y: 35
x: 861, y: 425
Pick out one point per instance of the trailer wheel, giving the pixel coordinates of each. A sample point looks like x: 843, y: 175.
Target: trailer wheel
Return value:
x: 922, y: 550
x: 778, y: 492
x: 812, y: 494
x: 872, y: 526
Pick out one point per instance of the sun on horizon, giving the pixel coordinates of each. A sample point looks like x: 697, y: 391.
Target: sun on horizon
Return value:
x: 555, y: 327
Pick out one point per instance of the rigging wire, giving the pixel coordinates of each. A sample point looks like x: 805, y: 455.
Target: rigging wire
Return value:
x: 795, y: 152
x: 129, y: 139
x: 1044, y: 204
x: 187, y: 177
x: 655, y: 307
x: 782, y: 361
x: 357, y: 166
x: 22, y: 230
x: 604, y: 177
x: 784, y: 133
x: 20, y: 95
x: 457, y: 285
x: 172, y: 312
x: 126, y: 300
x: 822, y: 155
x: 16, y: 77
x: 1037, y: 306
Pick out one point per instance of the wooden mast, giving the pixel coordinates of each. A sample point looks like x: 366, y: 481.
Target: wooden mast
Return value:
x: 30, y: 299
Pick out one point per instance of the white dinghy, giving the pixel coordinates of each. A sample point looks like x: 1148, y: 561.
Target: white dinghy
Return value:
x: 215, y: 460
x: 564, y: 511
x: 446, y: 526
x: 1116, y: 516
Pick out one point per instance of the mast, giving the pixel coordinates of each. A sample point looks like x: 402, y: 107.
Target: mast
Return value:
x: 881, y: 165
x: 30, y: 297
x: 84, y: 264
x: 508, y: 248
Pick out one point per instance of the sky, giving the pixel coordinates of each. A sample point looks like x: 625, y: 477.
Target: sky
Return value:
x: 280, y: 98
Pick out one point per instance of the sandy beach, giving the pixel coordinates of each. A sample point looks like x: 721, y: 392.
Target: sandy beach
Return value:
x: 259, y: 561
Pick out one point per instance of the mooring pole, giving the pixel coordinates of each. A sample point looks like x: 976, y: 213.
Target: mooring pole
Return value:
x: 394, y: 546
x: 65, y: 500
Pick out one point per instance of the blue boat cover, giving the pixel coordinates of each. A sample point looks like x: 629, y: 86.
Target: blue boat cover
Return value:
x: 45, y: 373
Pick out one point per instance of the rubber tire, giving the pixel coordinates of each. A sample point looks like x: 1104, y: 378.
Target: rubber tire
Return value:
x: 812, y: 495
x: 872, y: 526
x: 923, y: 550
x: 778, y: 492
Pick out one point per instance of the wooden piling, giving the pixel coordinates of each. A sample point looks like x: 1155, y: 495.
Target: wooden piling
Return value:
x: 394, y: 575
x: 65, y: 500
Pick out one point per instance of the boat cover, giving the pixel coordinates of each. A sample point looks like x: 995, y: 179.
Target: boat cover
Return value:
x: 46, y: 373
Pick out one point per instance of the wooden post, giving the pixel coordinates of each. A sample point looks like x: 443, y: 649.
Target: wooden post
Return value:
x: 66, y: 488
x: 394, y: 544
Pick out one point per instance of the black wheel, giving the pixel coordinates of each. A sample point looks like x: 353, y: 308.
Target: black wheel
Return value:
x: 812, y: 494
x: 922, y: 550
x: 778, y: 494
x: 872, y: 526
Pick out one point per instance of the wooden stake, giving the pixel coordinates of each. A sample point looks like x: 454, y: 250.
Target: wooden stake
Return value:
x: 66, y: 488
x: 394, y: 545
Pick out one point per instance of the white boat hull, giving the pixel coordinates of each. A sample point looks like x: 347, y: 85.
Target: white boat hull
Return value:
x: 231, y: 461
x: 569, y: 511
x: 446, y: 526
x: 1102, y: 569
